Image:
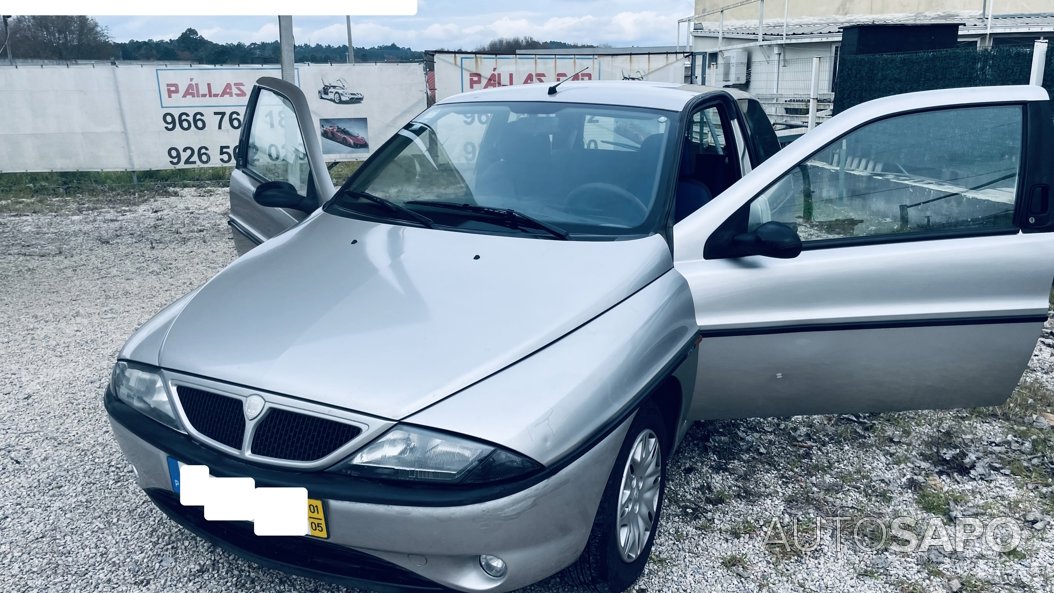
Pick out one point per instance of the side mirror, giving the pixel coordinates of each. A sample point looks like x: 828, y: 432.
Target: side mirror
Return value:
x: 771, y: 239
x: 282, y: 194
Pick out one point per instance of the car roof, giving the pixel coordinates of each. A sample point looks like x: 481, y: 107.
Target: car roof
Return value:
x: 636, y: 93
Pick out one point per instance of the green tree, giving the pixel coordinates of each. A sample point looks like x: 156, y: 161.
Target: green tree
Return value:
x: 509, y: 45
x: 59, y: 38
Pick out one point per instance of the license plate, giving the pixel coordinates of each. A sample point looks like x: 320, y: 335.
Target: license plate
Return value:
x: 173, y: 473
x: 316, y: 514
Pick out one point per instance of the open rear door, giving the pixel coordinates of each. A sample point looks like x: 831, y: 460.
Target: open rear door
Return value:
x: 278, y: 142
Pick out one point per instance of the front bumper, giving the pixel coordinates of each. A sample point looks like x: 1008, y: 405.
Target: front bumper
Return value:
x: 538, y: 530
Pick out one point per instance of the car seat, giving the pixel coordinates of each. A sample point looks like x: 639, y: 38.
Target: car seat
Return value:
x: 692, y: 193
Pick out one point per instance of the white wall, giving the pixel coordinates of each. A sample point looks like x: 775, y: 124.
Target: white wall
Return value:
x: 462, y: 72
x: 102, y: 117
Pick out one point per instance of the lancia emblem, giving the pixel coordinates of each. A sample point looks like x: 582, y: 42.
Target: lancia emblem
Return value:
x: 254, y: 404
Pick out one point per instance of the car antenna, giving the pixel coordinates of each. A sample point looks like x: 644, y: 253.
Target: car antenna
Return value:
x: 552, y: 89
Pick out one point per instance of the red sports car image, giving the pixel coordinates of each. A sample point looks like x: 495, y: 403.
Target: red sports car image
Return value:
x: 344, y: 136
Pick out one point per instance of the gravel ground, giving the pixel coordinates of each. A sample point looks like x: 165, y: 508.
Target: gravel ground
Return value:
x: 74, y: 285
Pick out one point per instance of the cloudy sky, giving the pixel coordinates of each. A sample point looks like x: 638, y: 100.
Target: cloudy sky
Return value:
x: 446, y: 24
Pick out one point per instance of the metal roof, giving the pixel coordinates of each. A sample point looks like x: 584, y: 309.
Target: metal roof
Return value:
x: 631, y: 93
x: 600, y: 51
x: 815, y: 28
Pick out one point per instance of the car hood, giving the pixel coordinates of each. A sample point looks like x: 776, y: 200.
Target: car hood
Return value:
x: 386, y: 319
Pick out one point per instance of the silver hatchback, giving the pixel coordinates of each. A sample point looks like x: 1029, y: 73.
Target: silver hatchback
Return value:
x: 479, y: 353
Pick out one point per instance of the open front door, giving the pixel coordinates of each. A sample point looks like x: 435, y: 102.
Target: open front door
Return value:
x: 278, y: 143
x: 926, y: 268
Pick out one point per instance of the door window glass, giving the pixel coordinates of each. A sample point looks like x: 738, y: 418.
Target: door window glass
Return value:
x: 951, y: 170
x: 276, y: 149
x: 706, y: 131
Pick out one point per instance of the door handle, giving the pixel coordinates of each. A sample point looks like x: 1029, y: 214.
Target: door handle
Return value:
x: 1039, y: 203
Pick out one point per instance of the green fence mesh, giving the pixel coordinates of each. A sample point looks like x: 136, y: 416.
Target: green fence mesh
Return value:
x: 865, y: 77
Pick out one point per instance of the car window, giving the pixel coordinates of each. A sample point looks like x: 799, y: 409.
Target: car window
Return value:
x: 951, y: 170
x: 588, y: 169
x: 424, y: 168
x: 461, y: 135
x: 706, y: 131
x: 761, y: 131
x: 604, y: 132
x: 276, y: 150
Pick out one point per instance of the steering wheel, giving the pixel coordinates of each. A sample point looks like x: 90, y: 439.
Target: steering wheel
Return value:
x: 607, y: 200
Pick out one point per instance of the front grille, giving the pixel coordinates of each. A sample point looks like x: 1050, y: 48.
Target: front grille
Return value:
x: 282, y: 434
x: 216, y: 416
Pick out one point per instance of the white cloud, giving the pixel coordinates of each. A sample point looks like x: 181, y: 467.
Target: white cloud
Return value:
x: 507, y: 27
x: 267, y: 32
x: 642, y: 25
x: 441, y: 32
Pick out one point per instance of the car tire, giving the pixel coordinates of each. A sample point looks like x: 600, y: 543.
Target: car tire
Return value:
x: 613, y: 558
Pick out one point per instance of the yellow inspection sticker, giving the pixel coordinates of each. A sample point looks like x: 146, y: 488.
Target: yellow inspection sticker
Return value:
x: 316, y: 519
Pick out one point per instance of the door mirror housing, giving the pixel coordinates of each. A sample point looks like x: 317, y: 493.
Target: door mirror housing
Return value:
x: 282, y: 194
x: 770, y: 239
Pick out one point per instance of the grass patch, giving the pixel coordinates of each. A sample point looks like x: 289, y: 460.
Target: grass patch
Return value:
x: 37, y: 193
x: 658, y: 559
x: 743, y: 528
x: 1015, y: 554
x: 937, y: 502
x: 932, y: 496
x: 906, y: 587
x: 717, y: 497
x: 1033, y: 474
x: 734, y: 561
x: 74, y: 191
x: 1027, y: 400
x: 341, y: 170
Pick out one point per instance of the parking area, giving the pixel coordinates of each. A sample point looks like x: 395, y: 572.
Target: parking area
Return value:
x: 798, y: 504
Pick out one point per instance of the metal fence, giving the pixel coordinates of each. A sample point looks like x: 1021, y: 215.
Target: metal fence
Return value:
x: 865, y: 77
x: 783, y: 87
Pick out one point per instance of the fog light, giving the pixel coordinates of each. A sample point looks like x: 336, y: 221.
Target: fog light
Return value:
x: 493, y: 565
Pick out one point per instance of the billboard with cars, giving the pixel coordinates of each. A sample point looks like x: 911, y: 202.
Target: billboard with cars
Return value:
x: 457, y: 72
x: 93, y: 117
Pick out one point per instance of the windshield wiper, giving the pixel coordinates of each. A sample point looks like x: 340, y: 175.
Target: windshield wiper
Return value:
x: 508, y: 215
x: 416, y: 216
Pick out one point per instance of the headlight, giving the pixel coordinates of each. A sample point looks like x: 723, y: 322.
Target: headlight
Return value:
x: 142, y: 388
x: 411, y: 453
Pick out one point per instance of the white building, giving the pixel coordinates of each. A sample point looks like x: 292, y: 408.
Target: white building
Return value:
x: 766, y: 47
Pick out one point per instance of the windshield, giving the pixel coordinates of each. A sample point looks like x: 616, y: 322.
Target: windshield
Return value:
x: 589, y: 171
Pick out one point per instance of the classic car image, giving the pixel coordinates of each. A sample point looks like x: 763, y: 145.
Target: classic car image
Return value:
x: 342, y: 135
x: 479, y: 353
x: 338, y: 92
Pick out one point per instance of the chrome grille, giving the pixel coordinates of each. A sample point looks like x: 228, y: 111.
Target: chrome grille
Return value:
x: 280, y: 433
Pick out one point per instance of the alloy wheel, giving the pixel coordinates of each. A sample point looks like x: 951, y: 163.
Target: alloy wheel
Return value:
x: 639, y: 495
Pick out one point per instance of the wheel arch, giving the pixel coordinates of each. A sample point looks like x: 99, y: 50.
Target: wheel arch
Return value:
x: 673, y: 397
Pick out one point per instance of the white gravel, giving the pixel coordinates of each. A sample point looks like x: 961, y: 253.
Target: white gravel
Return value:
x: 73, y: 286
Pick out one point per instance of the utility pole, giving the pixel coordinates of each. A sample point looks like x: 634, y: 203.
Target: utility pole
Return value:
x: 7, y: 40
x: 285, y: 40
x: 351, y: 48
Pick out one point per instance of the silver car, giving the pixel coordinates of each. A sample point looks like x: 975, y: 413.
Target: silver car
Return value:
x: 479, y: 354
